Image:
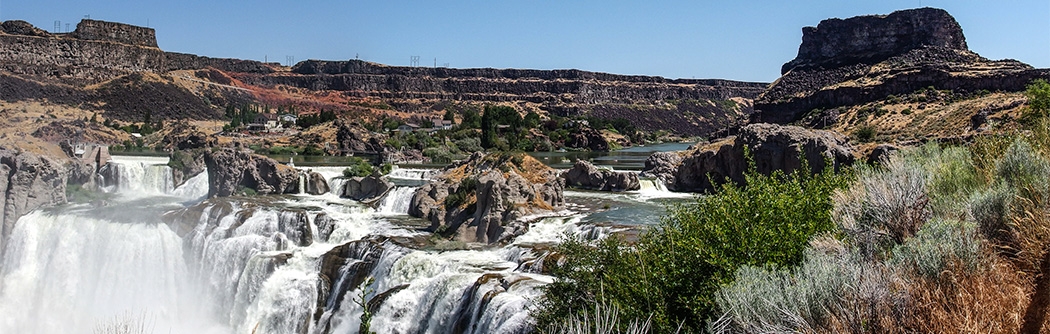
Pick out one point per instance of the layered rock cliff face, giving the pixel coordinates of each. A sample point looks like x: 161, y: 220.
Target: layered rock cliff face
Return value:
x: 561, y: 92
x: 868, y: 58
x: 772, y: 147
x: 483, y: 198
x: 98, y: 51
x: 29, y: 182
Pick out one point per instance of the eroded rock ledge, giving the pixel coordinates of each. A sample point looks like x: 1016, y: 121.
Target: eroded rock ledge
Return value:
x: 231, y: 170
x: 773, y: 147
x: 482, y: 198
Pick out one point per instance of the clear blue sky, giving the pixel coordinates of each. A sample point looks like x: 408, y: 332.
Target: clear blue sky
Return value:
x: 740, y: 40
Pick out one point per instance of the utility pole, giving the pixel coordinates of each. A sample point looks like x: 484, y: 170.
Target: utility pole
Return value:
x: 415, y: 61
x: 58, y: 27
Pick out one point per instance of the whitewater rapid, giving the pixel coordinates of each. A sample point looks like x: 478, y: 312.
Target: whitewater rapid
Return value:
x: 164, y: 255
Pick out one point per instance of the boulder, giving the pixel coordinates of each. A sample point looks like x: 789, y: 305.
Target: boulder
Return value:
x: 231, y: 169
x: 881, y: 154
x: 772, y: 148
x: 483, y: 198
x: 316, y: 183
x: 366, y: 189
x: 325, y: 226
x: 29, y: 182
x: 662, y: 166
x: 584, y: 175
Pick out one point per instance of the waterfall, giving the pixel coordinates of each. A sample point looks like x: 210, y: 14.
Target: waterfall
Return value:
x: 412, y: 174
x: 302, y: 183
x: 262, y: 265
x: 142, y: 175
x: 69, y: 272
x: 652, y: 185
x: 397, y: 201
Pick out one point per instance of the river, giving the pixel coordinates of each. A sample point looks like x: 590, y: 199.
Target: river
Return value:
x: 167, y: 259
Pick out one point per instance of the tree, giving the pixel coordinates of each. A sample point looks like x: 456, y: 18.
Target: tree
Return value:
x: 471, y: 119
x: 1038, y: 94
x: 449, y: 115
x: 488, y: 128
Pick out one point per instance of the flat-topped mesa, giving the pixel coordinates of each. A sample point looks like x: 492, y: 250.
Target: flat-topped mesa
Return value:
x: 94, y: 30
x: 871, y: 39
x: 843, y: 63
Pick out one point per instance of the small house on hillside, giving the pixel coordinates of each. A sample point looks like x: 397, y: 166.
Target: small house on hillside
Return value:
x: 441, y: 124
x: 289, y: 118
x: 268, y: 121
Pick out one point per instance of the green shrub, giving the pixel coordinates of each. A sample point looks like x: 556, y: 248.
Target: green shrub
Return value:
x: 865, y: 133
x: 937, y: 245
x: 386, y: 168
x: 358, y: 168
x: 677, y: 268
x: 438, y: 154
x: 1038, y: 94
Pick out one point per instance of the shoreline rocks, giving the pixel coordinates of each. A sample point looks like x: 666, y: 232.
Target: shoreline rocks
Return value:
x: 772, y: 147
x: 584, y: 175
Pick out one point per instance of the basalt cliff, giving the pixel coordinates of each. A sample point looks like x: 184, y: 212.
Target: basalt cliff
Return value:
x: 850, y: 62
x: 119, y: 71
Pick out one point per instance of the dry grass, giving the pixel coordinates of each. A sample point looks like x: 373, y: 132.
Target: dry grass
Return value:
x: 991, y: 300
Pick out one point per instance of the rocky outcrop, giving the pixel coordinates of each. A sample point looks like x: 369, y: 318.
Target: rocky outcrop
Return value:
x: 28, y: 182
x: 584, y: 175
x: 662, y: 166
x: 316, y: 183
x: 589, y: 139
x: 871, y: 39
x: 772, y: 147
x: 864, y: 59
x: 353, y: 138
x: 482, y: 198
x: 93, y: 30
x: 19, y: 27
x: 366, y: 189
x: 185, y: 164
x: 230, y: 170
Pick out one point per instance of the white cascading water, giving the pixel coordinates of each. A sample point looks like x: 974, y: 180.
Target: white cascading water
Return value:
x: 412, y: 174
x: 70, y: 272
x: 396, y: 201
x: 255, y: 266
x: 143, y: 175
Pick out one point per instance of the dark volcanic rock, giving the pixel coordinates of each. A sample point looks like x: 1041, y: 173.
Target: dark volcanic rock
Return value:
x: 316, y: 184
x: 663, y: 166
x: 229, y: 169
x: 865, y: 59
x: 19, y: 27
x: 881, y: 154
x: 355, y: 139
x: 585, y: 176
x: 29, y: 182
x: 870, y: 39
x: 773, y: 147
x: 587, y: 138
x: 366, y: 188
x: 482, y: 198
